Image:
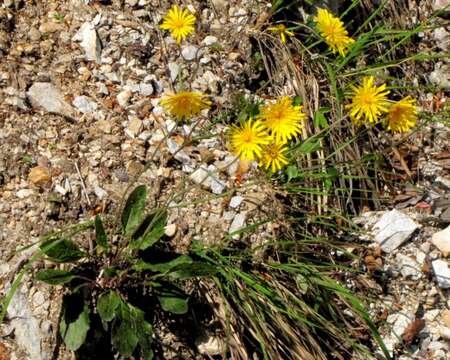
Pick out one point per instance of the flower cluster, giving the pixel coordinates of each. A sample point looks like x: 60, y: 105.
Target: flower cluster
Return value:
x: 265, y: 138
x: 369, y: 102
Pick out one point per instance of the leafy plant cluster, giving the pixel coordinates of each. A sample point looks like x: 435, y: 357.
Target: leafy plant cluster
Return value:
x: 99, y: 283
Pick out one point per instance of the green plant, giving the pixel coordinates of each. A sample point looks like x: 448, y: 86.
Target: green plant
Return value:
x: 99, y: 283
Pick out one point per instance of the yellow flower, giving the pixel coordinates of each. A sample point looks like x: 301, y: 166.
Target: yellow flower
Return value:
x: 368, y: 101
x: 273, y: 157
x: 282, y: 31
x: 185, y: 104
x: 402, y: 115
x: 332, y: 29
x: 247, y: 140
x: 179, y: 22
x: 283, y: 119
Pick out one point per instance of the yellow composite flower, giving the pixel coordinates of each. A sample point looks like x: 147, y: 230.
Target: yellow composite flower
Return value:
x: 273, y: 157
x: 283, y: 119
x: 185, y: 104
x: 281, y: 30
x: 369, y: 101
x: 179, y: 22
x: 402, y: 115
x: 332, y: 29
x: 248, y: 139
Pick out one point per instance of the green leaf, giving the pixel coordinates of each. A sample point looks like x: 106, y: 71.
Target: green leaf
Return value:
x: 61, y: 250
x: 100, y: 233
x: 144, y: 333
x: 124, y: 333
x: 54, y: 276
x: 309, y: 146
x: 173, y: 303
x: 154, y: 228
x: 73, y: 329
x: 163, y: 267
x: 133, y: 213
x: 195, y: 269
x: 292, y: 172
x: 320, y: 119
x: 107, y: 304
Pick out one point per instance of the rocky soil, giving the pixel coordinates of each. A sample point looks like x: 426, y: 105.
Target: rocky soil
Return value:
x: 80, y: 84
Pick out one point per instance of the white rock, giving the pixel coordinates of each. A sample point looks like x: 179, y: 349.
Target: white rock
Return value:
x: 236, y: 201
x: 442, y: 272
x: 206, y: 176
x: 444, y: 331
x: 84, y: 104
x: 179, y: 155
x: 49, y: 97
x: 201, y: 176
x: 408, y: 267
x: 441, y: 240
x: 441, y: 75
x: 210, y: 346
x: 124, y: 97
x: 100, y: 193
x: 189, y: 52
x: 209, y: 40
x: 170, y: 230
x: 145, y: 89
x: 174, y: 70
x: 24, y: 193
x: 90, y: 42
x: 393, y: 229
x: 237, y: 224
x: 27, y: 333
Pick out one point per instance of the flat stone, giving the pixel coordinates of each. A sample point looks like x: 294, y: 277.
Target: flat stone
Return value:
x: 441, y: 240
x: 446, y: 317
x: 145, y: 89
x: 174, y: 70
x: 409, y: 268
x: 237, y: 224
x: 189, y: 52
x: 84, y: 104
x: 50, y: 27
x: 47, y: 96
x: 442, y: 273
x: 236, y: 201
x: 24, y: 193
x: 134, y: 127
x: 124, y: 97
x: 209, y: 40
x: 90, y: 42
x: 170, y: 230
x: 393, y: 229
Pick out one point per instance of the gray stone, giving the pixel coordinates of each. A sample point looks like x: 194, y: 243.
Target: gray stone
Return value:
x: 145, y: 89
x: 442, y: 273
x: 189, y: 52
x: 124, y: 97
x: 441, y: 75
x: 174, y: 70
x: 84, y: 104
x: 236, y: 201
x: 409, y: 268
x: 209, y: 40
x: 90, y: 42
x: 393, y: 229
x: 237, y: 224
x: 27, y: 332
x: 46, y: 95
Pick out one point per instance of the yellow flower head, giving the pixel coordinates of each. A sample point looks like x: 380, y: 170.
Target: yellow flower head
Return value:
x: 281, y: 30
x: 283, y: 119
x: 402, y: 115
x: 185, y: 104
x: 247, y: 140
x: 273, y: 157
x: 332, y: 29
x: 368, y: 101
x: 179, y: 22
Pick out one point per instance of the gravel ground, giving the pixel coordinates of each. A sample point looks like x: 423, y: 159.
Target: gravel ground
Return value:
x: 80, y: 83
